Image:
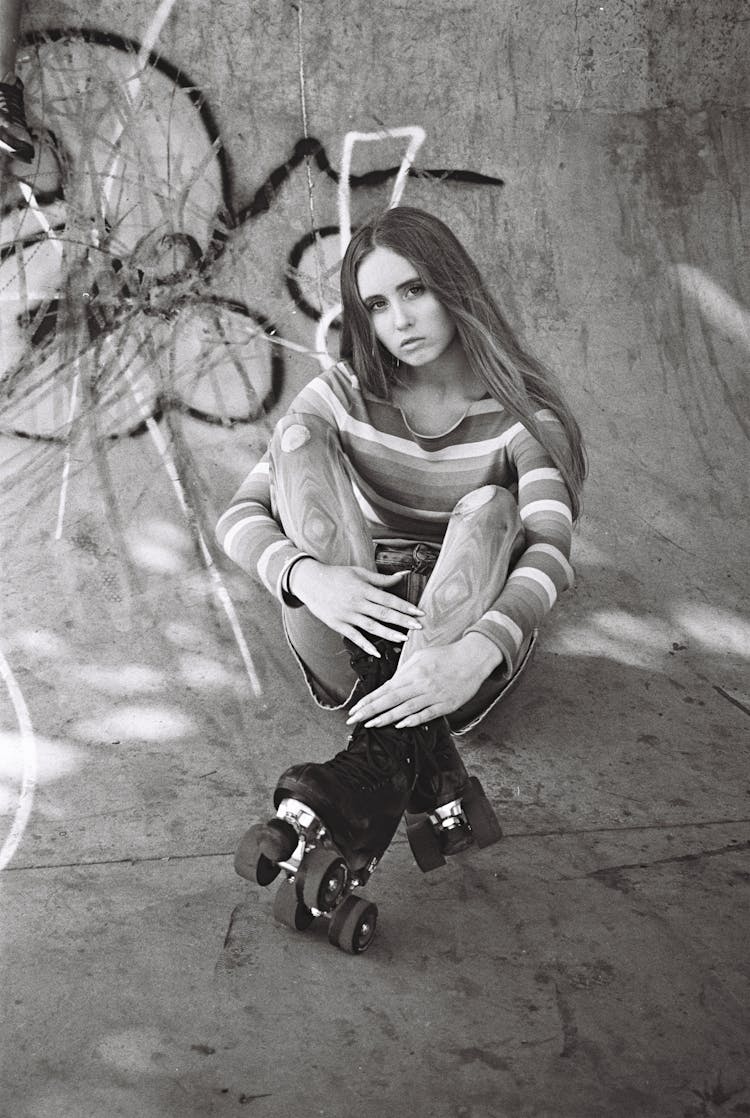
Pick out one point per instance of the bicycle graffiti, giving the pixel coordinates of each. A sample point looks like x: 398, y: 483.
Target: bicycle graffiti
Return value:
x: 109, y: 262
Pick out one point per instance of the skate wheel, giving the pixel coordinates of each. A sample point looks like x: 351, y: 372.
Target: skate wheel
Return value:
x: 289, y: 910
x: 261, y: 847
x: 321, y: 879
x: 352, y: 925
x: 480, y: 815
x: 424, y: 843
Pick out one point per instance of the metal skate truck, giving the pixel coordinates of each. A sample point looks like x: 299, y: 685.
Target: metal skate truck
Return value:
x: 335, y: 820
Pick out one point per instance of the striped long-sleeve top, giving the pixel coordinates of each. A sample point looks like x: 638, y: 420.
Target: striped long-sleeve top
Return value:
x: 407, y: 484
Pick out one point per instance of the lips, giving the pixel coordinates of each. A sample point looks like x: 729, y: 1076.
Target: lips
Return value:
x: 409, y: 343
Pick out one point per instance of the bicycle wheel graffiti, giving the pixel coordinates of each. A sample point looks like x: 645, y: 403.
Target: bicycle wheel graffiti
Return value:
x: 107, y: 259
x: 131, y: 188
x: 114, y: 254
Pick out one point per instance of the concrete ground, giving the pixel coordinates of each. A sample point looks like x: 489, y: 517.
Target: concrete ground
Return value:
x: 594, y: 962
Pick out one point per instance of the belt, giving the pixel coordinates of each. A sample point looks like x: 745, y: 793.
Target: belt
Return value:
x: 416, y: 560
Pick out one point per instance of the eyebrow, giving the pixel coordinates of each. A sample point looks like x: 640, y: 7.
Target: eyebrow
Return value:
x: 399, y: 287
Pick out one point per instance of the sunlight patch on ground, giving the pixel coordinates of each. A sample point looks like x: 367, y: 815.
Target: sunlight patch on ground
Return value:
x: 716, y: 630
x: 645, y: 641
x: 616, y: 635
x: 40, y: 642
x: 186, y: 636
x: 160, y: 547
x: 137, y: 723
x: 125, y: 679
x: 55, y: 760
x: 201, y: 671
x: 133, y: 1050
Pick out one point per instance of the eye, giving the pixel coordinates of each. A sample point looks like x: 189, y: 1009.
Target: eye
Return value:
x: 416, y: 289
x: 375, y: 304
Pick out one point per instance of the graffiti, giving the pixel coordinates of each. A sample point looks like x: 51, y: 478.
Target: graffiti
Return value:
x: 28, y: 752
x: 112, y: 315
x: 115, y: 242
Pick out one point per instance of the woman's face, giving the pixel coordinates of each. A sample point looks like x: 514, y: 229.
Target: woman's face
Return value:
x: 407, y: 318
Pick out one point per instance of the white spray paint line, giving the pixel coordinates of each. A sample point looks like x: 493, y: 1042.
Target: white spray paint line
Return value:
x: 152, y: 34
x: 218, y: 583
x: 322, y: 352
x: 28, y: 784
x: 35, y: 209
x: 416, y: 136
x: 38, y: 213
x: 68, y: 452
x: 133, y: 89
x: 306, y: 134
x: 253, y: 332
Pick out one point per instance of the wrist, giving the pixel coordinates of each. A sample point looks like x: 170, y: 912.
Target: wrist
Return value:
x: 481, y: 654
x: 294, y: 582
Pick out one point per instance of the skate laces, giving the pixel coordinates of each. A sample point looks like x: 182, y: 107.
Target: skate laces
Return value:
x: 373, y: 670
x: 382, y: 753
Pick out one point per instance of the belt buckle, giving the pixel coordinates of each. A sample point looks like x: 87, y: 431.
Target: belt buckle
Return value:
x: 423, y: 558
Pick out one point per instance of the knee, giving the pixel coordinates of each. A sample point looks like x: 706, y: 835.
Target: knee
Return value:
x: 296, y: 430
x: 489, y: 501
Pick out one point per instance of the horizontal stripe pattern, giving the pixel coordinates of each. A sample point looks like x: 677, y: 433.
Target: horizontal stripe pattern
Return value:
x: 407, y: 485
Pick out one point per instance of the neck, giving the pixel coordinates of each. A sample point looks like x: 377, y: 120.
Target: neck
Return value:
x: 450, y: 370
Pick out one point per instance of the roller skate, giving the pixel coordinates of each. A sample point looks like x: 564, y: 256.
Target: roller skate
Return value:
x: 448, y: 810
x: 334, y: 821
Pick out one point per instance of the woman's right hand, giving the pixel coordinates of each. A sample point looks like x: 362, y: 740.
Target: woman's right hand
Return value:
x: 352, y: 599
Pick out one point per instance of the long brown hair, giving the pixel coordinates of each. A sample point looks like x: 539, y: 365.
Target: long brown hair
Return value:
x: 513, y: 376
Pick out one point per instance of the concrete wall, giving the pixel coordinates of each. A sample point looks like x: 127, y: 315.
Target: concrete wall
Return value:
x: 594, y: 156
x: 619, y: 130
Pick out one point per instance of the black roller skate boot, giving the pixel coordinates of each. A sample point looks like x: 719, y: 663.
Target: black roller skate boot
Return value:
x: 448, y: 810
x: 335, y: 820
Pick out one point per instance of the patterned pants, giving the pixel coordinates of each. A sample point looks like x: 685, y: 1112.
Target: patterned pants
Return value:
x: 454, y: 583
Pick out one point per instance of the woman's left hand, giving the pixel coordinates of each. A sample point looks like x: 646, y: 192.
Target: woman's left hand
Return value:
x: 430, y: 683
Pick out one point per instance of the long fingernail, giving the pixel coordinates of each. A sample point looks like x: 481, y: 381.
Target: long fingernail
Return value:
x: 414, y: 625
x: 416, y: 612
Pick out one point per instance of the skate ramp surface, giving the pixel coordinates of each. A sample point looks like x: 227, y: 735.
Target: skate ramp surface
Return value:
x: 162, y: 290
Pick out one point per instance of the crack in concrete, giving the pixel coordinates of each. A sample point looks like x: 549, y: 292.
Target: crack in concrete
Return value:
x: 122, y: 861
x: 733, y: 698
x: 400, y: 840
x: 692, y: 856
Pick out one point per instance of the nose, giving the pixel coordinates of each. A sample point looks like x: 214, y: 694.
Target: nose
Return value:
x: 402, y: 317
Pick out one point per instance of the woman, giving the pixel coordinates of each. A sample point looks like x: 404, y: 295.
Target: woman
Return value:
x: 417, y: 498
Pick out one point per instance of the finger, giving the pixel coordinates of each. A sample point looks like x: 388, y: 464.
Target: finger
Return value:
x: 379, y: 579
x: 375, y: 579
x: 412, y: 713
x: 397, y: 608
x: 425, y: 715
x: 378, y: 630
x: 356, y: 636
x: 389, y: 616
x: 384, y: 698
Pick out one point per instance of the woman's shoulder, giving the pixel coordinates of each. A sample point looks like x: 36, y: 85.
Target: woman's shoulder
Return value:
x: 329, y: 390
